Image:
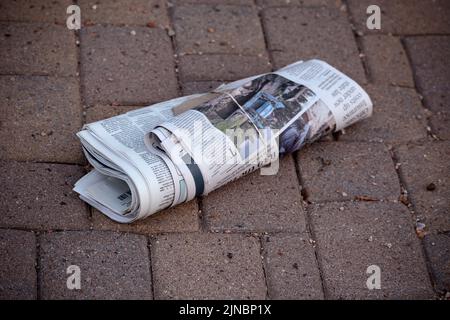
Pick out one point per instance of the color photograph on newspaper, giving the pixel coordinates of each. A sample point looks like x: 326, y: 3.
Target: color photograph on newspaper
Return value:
x: 270, y: 102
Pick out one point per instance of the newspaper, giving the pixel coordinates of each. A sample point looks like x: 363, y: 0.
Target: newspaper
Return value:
x: 160, y: 156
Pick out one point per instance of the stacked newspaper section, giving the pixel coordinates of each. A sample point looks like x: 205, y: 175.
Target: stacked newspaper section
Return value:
x: 166, y: 154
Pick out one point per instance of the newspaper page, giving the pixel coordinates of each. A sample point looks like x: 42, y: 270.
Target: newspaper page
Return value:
x: 129, y: 180
x: 237, y: 131
x: 166, y: 154
x: 116, y: 149
x: 346, y: 100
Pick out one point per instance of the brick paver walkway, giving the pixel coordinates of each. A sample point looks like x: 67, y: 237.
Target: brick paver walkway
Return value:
x: 356, y: 199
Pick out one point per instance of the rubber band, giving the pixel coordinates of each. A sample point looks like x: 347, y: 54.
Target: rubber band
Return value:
x: 248, y: 116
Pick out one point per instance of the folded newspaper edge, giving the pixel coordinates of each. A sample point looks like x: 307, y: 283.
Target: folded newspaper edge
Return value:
x: 162, y: 155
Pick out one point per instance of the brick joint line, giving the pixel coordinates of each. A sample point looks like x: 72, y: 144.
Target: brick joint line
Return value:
x: 412, y: 210
x: 263, y: 264
x: 408, y: 56
x: 309, y: 226
x: 38, y: 265
x: 80, y: 82
x: 175, y: 56
x: 359, y: 46
x: 203, y: 224
x: 152, y: 285
x: 264, y: 32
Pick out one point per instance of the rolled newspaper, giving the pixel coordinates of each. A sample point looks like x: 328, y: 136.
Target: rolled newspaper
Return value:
x: 160, y: 156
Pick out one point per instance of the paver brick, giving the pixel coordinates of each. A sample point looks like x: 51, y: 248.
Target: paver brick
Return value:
x: 387, y: 60
x: 40, y: 118
x: 352, y: 236
x: 207, y: 266
x: 437, y: 247
x: 440, y: 122
x: 131, y: 12
x: 40, y: 196
x: 404, y: 16
x: 398, y: 116
x: 258, y: 203
x: 100, y: 112
x: 200, y: 86
x: 429, y: 56
x: 182, y: 218
x: 305, y: 3
x: 17, y: 270
x: 34, y: 10
x: 39, y: 48
x: 218, y: 29
x: 333, y: 171
x: 112, y: 265
x: 215, y: 2
x: 127, y: 65
x: 221, y: 67
x: 320, y: 33
x: 291, y: 267
x: 425, y: 170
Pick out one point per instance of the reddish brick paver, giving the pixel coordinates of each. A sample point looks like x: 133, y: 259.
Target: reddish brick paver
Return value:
x: 425, y: 170
x: 321, y: 33
x: 41, y: 196
x: 150, y: 13
x: 352, y: 236
x: 207, y: 266
x: 398, y: 117
x: 40, y: 116
x: 183, y: 218
x: 387, y: 61
x: 275, y: 204
x: 215, y: 2
x: 200, y: 86
x: 429, y: 56
x: 218, y: 29
x: 34, y: 10
x: 106, y: 261
x: 121, y: 64
x: 100, y: 112
x: 409, y: 17
x: 221, y: 67
x: 309, y: 232
x: 291, y: 267
x: 336, y: 171
x: 18, y: 269
x: 39, y: 48
x: 437, y: 248
x: 305, y: 3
